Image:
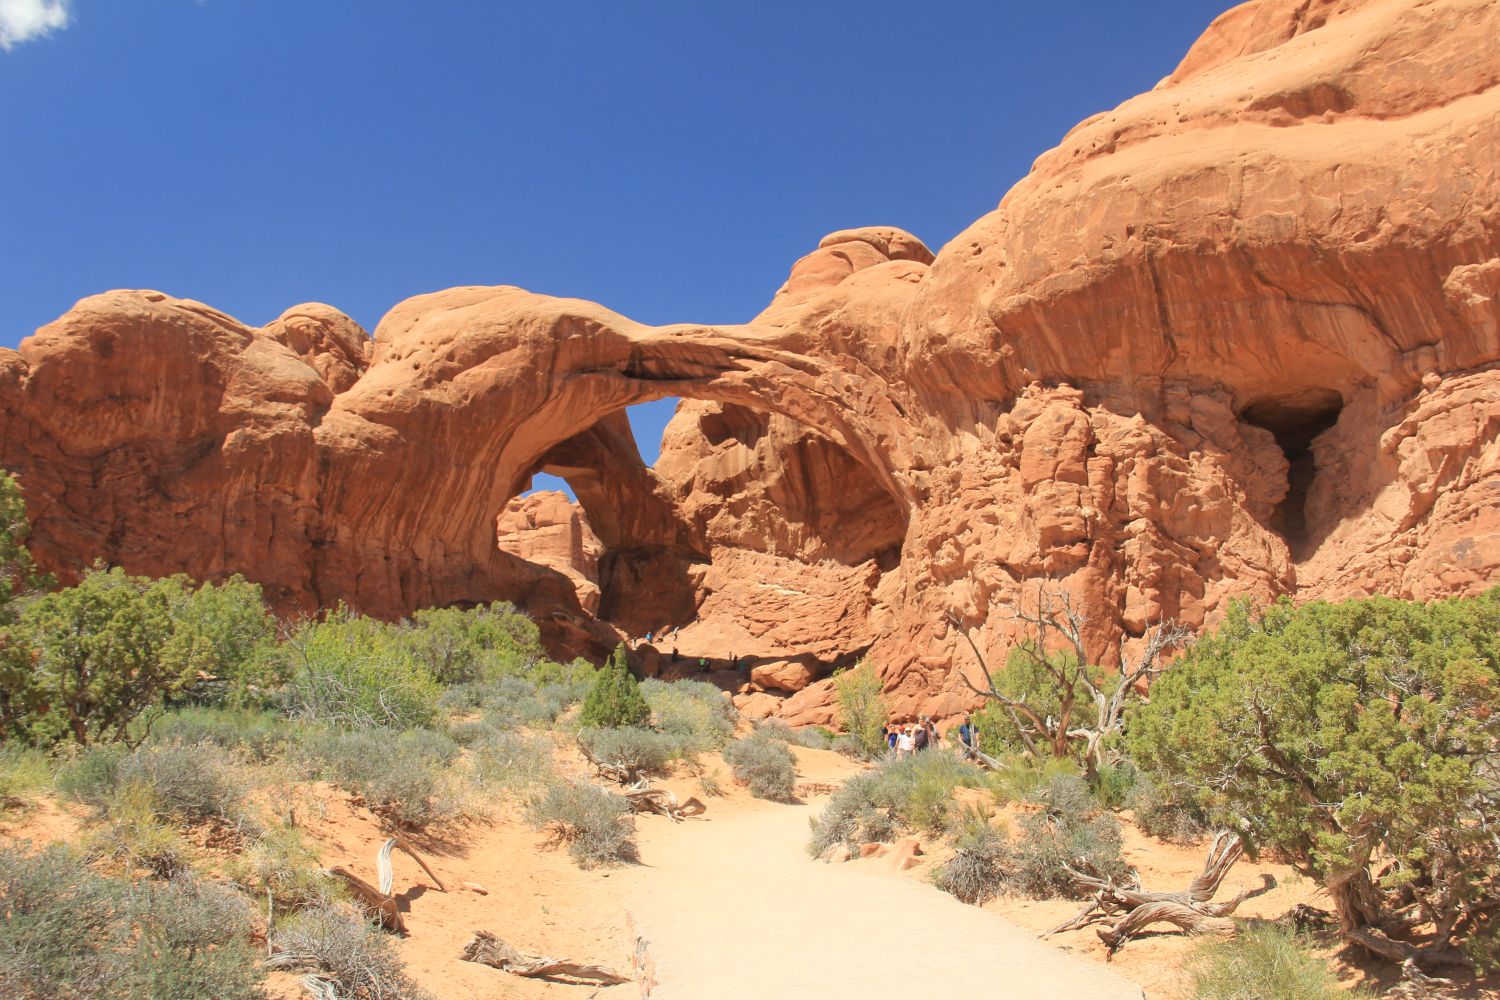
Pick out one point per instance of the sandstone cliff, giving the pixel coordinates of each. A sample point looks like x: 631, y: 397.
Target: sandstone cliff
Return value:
x: 1237, y: 336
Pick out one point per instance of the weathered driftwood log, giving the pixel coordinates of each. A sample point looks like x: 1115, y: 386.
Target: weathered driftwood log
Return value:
x: 1193, y: 910
x: 663, y: 803
x: 486, y: 949
x: 379, y: 902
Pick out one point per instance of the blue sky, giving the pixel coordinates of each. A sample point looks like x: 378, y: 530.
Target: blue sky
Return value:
x: 668, y: 158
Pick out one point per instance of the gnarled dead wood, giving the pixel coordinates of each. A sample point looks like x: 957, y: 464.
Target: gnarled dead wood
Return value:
x: 663, y: 803
x: 378, y: 906
x: 617, y: 771
x: 487, y: 949
x: 1192, y: 910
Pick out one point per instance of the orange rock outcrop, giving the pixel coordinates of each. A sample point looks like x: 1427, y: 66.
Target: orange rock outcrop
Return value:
x: 1238, y: 336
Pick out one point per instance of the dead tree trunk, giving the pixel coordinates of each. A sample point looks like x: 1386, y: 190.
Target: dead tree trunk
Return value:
x: 1193, y: 910
x: 487, y: 949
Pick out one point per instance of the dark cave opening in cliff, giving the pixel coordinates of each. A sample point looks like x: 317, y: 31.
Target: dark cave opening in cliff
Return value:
x: 760, y: 539
x: 1296, y: 421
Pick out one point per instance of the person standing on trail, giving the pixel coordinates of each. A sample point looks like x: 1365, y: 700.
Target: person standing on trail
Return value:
x: 968, y: 735
x: 892, y: 737
x: 934, y: 738
x: 920, y: 737
x: 905, y: 744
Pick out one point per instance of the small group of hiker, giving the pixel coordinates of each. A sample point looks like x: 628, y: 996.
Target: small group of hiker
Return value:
x: 905, y: 739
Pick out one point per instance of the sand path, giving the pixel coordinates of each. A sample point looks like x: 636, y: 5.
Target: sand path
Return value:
x: 734, y: 908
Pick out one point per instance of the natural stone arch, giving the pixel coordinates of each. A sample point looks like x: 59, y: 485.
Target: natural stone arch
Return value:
x: 471, y: 388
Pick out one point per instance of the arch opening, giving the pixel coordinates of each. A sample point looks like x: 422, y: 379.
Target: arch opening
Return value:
x: 1296, y: 422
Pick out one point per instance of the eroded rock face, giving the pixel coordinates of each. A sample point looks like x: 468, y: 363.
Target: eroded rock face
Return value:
x: 1238, y: 336
x: 549, y: 529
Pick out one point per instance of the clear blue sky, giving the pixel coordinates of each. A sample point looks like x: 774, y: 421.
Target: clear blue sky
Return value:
x: 668, y: 158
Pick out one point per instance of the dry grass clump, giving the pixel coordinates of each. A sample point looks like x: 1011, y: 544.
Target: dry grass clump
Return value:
x: 1263, y: 961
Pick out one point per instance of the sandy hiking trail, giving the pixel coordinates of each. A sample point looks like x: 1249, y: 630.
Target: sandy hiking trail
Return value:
x: 734, y: 908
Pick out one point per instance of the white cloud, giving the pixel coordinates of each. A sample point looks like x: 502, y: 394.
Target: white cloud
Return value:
x: 23, y: 20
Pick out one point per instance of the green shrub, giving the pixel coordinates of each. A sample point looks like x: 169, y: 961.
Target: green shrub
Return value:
x: 132, y: 833
x: 853, y: 816
x: 1112, y: 784
x: 279, y: 862
x: 355, y: 673
x: 512, y: 762
x: 227, y: 630
x: 1350, y: 737
x: 23, y: 771
x: 339, y: 943
x: 399, y: 775
x: 639, y: 751
x: 484, y: 643
x: 918, y: 789
x: 260, y: 734
x: 696, y: 714
x: 71, y: 933
x: 813, y: 738
x: 95, y: 656
x: 91, y: 775
x: 19, y: 576
x: 1166, y: 813
x: 976, y: 872
x: 863, y: 710
x: 615, y: 698
x: 1068, y: 830
x: 596, y: 824
x: 765, y: 765
x: 191, y: 783
x: 1262, y: 961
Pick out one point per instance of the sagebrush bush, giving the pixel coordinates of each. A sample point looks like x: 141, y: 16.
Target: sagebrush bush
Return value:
x: 91, y: 775
x: 597, y: 825
x: 511, y: 762
x: 1166, y: 813
x: 190, y: 784
x: 71, y: 933
x: 697, y: 714
x: 23, y: 770
x: 852, y: 817
x: 281, y: 863
x: 1262, y: 961
x: 1069, y: 829
x: 918, y: 789
x: 863, y: 710
x: 976, y: 872
x: 813, y: 738
x: 338, y: 942
x: 640, y: 751
x: 399, y: 775
x: 132, y: 832
x: 260, y: 734
x: 765, y: 765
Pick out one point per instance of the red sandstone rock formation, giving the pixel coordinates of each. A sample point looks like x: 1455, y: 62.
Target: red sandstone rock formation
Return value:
x: 1238, y: 336
x: 549, y: 529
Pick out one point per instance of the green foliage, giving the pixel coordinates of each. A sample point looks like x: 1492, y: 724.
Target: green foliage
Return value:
x: 915, y: 792
x: 1068, y: 830
x: 19, y: 577
x: 596, y: 824
x: 512, y: 762
x: 259, y: 734
x: 853, y: 816
x: 863, y: 710
x: 99, y: 654
x: 976, y: 872
x: 91, y: 775
x: 485, y: 643
x: 1165, y: 811
x: 1025, y: 677
x: 226, y: 630
x: 1263, y: 961
x: 189, y: 784
x: 23, y: 770
x: 918, y: 789
x: 281, y: 863
x: 70, y: 933
x: 1347, y: 735
x: 696, y: 714
x: 639, y: 751
x: 338, y: 942
x: 615, y: 697
x: 357, y: 673
x: 400, y: 775
x: 765, y: 765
